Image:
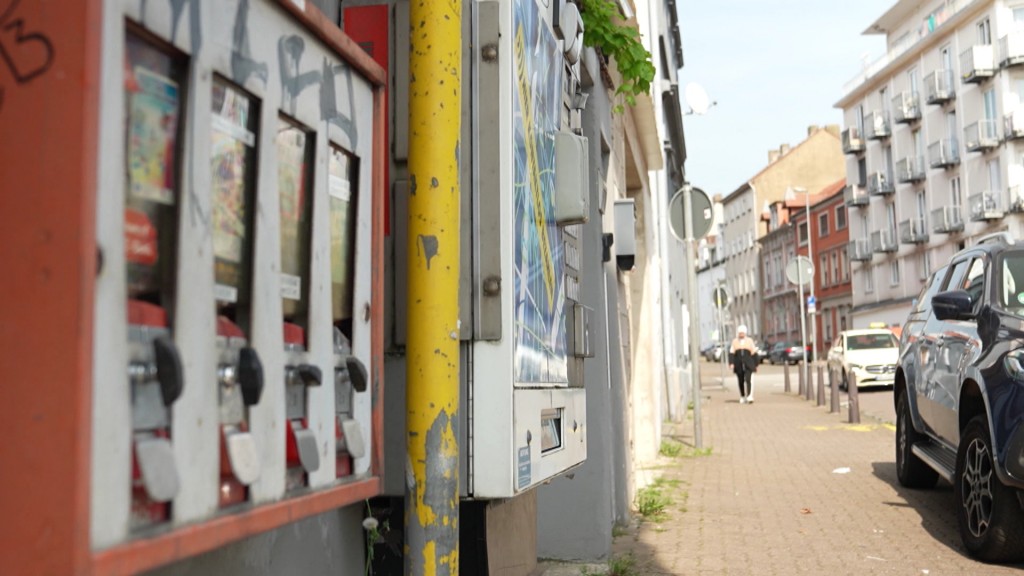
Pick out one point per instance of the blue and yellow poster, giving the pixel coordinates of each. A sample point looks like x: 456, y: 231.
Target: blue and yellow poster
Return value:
x: 539, y: 284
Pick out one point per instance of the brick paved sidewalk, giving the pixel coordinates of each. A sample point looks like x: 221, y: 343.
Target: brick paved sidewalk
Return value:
x: 790, y: 489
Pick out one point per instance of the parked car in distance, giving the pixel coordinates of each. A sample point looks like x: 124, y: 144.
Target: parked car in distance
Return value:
x: 762, y: 351
x: 958, y: 394
x: 786, y: 353
x: 712, y: 352
x: 869, y: 355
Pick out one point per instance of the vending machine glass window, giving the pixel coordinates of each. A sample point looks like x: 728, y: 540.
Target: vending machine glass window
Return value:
x: 153, y: 86
x: 239, y: 370
x: 294, y: 183
x: 341, y: 183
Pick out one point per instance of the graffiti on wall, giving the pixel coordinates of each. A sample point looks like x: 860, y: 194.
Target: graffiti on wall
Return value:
x: 25, y: 52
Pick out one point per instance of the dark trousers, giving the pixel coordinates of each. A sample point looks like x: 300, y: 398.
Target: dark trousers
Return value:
x: 743, y: 380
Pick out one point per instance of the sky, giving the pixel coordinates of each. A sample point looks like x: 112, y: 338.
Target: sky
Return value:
x: 774, y: 68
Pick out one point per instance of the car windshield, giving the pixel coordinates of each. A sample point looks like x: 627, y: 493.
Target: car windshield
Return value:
x: 1011, y: 293
x: 871, y: 341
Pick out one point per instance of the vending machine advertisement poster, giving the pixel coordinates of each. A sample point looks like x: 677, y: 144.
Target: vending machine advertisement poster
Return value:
x: 540, y: 354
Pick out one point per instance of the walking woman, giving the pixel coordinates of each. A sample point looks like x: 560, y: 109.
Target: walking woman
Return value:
x: 743, y: 361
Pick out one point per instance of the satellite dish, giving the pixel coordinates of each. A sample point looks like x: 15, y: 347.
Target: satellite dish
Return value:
x: 697, y: 98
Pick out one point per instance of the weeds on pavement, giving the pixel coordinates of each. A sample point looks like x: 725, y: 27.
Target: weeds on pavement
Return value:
x: 670, y: 448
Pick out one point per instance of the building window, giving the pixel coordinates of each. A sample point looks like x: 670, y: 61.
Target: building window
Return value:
x: 926, y: 265
x: 894, y: 273
x: 802, y: 233
x: 823, y: 225
x: 840, y: 217
x: 835, y: 266
x: 844, y: 265
x: 869, y: 279
x: 823, y: 266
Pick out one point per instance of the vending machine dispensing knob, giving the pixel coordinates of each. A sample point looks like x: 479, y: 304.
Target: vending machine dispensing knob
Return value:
x: 309, y: 374
x: 250, y: 375
x: 168, y: 369
x: 357, y: 373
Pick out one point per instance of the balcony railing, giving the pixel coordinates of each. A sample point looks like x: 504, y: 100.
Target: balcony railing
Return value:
x: 859, y: 250
x: 910, y: 170
x: 944, y: 153
x: 855, y: 195
x: 981, y: 136
x: 947, y: 220
x: 884, y: 241
x: 1013, y: 124
x: 906, y: 108
x: 986, y: 205
x: 939, y: 87
x: 977, y: 63
x: 914, y: 231
x: 1015, y: 201
x: 876, y: 126
x: 880, y: 184
x: 852, y: 141
x: 1011, y: 49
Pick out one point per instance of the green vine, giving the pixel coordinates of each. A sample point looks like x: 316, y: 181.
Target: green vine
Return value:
x: 602, y: 29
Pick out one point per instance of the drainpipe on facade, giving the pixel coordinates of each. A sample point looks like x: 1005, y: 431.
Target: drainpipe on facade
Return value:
x: 432, y: 378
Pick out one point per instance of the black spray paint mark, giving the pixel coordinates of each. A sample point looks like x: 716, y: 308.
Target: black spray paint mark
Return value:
x: 293, y: 82
x: 412, y: 185
x: 242, y: 64
x: 329, y: 102
x: 195, y: 28
x: 429, y: 244
x: 27, y: 54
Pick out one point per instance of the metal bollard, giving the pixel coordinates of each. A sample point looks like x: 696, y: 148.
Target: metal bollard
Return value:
x: 854, y: 402
x: 821, y: 386
x: 834, y: 386
x: 800, y: 378
x: 785, y: 371
x: 809, y: 391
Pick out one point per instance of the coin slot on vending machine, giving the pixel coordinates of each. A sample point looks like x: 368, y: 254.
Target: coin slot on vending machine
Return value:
x: 350, y: 374
x: 294, y: 183
x: 153, y: 111
x: 239, y: 370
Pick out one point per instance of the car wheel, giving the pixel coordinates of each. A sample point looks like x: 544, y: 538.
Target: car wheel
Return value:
x: 911, y: 471
x: 988, y: 514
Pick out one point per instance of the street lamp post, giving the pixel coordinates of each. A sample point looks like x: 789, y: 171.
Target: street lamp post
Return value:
x: 810, y: 256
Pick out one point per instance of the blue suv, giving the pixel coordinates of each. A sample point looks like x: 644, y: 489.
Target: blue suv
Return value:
x: 959, y: 394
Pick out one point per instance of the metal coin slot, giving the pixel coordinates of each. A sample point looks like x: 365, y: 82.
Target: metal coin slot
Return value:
x: 551, y: 430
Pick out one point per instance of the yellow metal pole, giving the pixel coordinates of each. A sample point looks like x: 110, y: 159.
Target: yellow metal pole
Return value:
x: 432, y: 381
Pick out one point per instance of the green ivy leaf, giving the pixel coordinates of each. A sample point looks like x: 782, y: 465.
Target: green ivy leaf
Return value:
x: 602, y: 31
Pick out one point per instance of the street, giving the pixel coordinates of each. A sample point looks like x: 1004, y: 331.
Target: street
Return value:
x: 782, y: 486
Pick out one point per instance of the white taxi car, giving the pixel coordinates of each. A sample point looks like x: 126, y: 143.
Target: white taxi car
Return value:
x: 869, y: 355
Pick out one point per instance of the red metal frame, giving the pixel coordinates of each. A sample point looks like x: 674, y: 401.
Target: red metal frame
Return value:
x: 49, y: 115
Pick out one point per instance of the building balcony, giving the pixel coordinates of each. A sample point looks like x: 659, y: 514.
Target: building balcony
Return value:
x: 876, y: 126
x: 859, y: 250
x: 1013, y: 124
x: 1015, y: 200
x: 884, y: 241
x: 986, y: 205
x: 981, y: 136
x: 944, y: 153
x: 939, y: 87
x: 1011, y: 49
x: 855, y: 195
x: 910, y: 170
x: 852, y: 141
x: 947, y: 220
x: 906, y: 108
x: 977, y: 64
x: 914, y: 231
x: 879, y: 184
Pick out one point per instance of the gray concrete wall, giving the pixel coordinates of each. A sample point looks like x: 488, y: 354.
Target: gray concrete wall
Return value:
x: 329, y: 543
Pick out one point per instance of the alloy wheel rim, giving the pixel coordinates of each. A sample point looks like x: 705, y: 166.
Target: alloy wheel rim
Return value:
x: 976, y: 488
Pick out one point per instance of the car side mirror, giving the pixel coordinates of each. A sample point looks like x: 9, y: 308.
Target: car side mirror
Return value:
x: 953, y: 305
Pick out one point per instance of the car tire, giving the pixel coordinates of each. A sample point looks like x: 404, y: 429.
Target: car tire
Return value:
x: 910, y: 470
x: 988, y: 514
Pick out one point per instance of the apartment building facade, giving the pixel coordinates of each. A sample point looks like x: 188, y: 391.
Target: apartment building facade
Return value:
x: 813, y: 164
x: 933, y: 145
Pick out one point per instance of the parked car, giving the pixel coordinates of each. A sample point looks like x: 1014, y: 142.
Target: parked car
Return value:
x: 868, y: 355
x: 959, y: 394
x: 712, y: 352
x: 762, y: 352
x: 786, y: 353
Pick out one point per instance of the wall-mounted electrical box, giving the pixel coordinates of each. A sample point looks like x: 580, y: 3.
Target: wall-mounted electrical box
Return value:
x: 625, y: 233
x: 572, y: 178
